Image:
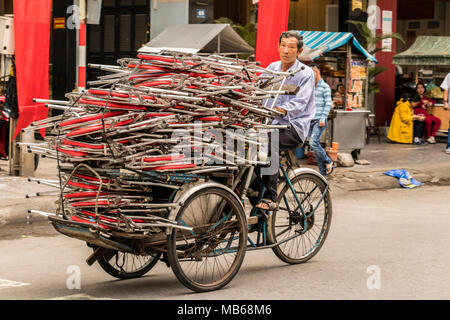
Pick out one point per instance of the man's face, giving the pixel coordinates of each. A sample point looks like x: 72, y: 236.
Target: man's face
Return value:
x: 288, y: 50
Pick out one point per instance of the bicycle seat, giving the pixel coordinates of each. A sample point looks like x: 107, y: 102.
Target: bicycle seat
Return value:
x: 293, y: 148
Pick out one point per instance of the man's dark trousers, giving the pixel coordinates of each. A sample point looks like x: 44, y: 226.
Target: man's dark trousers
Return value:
x: 288, y: 139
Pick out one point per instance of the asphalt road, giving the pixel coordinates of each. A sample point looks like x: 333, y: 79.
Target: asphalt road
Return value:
x: 390, y: 244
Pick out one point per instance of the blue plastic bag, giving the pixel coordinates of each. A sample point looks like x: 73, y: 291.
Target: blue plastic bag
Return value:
x: 404, y: 178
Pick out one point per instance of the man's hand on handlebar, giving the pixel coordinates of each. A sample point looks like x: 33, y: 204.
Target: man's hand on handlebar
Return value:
x: 284, y: 112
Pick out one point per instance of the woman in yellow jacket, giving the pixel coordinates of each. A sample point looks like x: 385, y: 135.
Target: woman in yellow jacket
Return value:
x: 403, y: 125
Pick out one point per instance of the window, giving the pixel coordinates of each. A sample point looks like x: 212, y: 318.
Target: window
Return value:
x: 433, y: 25
x: 414, y: 25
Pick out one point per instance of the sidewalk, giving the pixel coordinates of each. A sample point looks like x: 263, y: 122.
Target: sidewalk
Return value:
x: 428, y: 164
x: 14, y: 190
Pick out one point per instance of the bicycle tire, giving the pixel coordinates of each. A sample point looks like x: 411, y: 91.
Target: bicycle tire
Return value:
x: 204, y: 245
x: 116, y: 271
x: 288, y: 251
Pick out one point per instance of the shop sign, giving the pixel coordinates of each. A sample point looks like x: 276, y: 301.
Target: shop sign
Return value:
x: 387, y: 29
x: 358, y: 74
x: 201, y: 13
x: 59, y: 23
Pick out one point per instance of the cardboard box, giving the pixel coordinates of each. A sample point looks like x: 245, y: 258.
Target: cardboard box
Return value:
x: 439, y: 112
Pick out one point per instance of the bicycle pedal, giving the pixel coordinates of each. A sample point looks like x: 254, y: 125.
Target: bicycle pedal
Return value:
x: 252, y: 193
x: 266, y: 214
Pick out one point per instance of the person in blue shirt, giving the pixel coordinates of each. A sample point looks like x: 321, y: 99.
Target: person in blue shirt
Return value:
x: 296, y: 110
x: 322, y: 99
x: 446, y: 87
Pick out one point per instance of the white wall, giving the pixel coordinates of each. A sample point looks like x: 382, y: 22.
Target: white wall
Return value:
x: 164, y: 13
x: 447, y: 19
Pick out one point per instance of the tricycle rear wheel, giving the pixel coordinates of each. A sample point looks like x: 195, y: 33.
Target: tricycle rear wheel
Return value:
x: 124, y: 265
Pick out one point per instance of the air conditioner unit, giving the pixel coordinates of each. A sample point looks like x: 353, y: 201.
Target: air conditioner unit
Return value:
x: 6, y: 35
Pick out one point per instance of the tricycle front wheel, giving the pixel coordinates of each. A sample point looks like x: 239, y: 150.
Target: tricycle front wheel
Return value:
x: 209, y: 256
x: 301, y: 234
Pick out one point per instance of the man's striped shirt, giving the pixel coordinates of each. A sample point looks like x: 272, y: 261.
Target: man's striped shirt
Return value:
x: 322, y: 100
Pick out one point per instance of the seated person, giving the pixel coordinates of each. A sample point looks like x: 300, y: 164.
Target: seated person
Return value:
x: 404, y: 124
x: 446, y: 87
x: 432, y: 123
x: 297, y: 111
x: 339, y: 95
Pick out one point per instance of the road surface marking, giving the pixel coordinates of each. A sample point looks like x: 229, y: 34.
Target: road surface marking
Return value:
x: 81, y: 296
x: 4, y: 284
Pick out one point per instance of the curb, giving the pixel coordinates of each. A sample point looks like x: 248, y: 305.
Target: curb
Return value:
x: 374, y: 179
x: 18, y: 212
x: 17, y: 198
x: 15, y: 206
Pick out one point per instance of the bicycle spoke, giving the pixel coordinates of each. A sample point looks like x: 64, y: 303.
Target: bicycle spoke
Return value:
x: 210, y: 258
x: 303, y: 231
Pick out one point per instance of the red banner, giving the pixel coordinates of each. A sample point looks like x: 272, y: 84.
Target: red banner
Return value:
x: 273, y: 16
x: 32, y: 20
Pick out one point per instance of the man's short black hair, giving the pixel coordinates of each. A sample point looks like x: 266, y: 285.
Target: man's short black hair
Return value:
x: 314, y: 65
x: 294, y: 34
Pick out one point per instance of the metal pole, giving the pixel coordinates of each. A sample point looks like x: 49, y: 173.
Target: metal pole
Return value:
x: 366, y: 88
x: 218, y: 44
x: 14, y: 151
x: 347, y: 73
x: 82, y: 47
x: 27, y: 158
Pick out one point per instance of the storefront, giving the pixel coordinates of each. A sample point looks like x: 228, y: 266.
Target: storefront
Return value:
x: 428, y: 60
x: 344, y: 66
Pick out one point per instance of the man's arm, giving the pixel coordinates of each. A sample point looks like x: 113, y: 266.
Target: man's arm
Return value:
x: 446, y: 99
x: 446, y: 86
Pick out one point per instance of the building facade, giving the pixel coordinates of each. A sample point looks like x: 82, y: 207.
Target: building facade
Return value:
x: 125, y: 25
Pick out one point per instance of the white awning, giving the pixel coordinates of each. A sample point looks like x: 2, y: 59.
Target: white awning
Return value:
x: 195, y: 38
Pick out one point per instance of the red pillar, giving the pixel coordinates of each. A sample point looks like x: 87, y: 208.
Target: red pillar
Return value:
x: 273, y: 16
x: 385, y: 99
x: 32, y: 42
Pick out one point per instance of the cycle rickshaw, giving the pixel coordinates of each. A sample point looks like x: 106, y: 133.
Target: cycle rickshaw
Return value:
x: 197, y: 221
x: 205, y: 236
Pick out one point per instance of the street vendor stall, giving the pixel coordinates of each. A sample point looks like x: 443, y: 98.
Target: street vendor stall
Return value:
x: 343, y: 62
x: 429, y: 59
